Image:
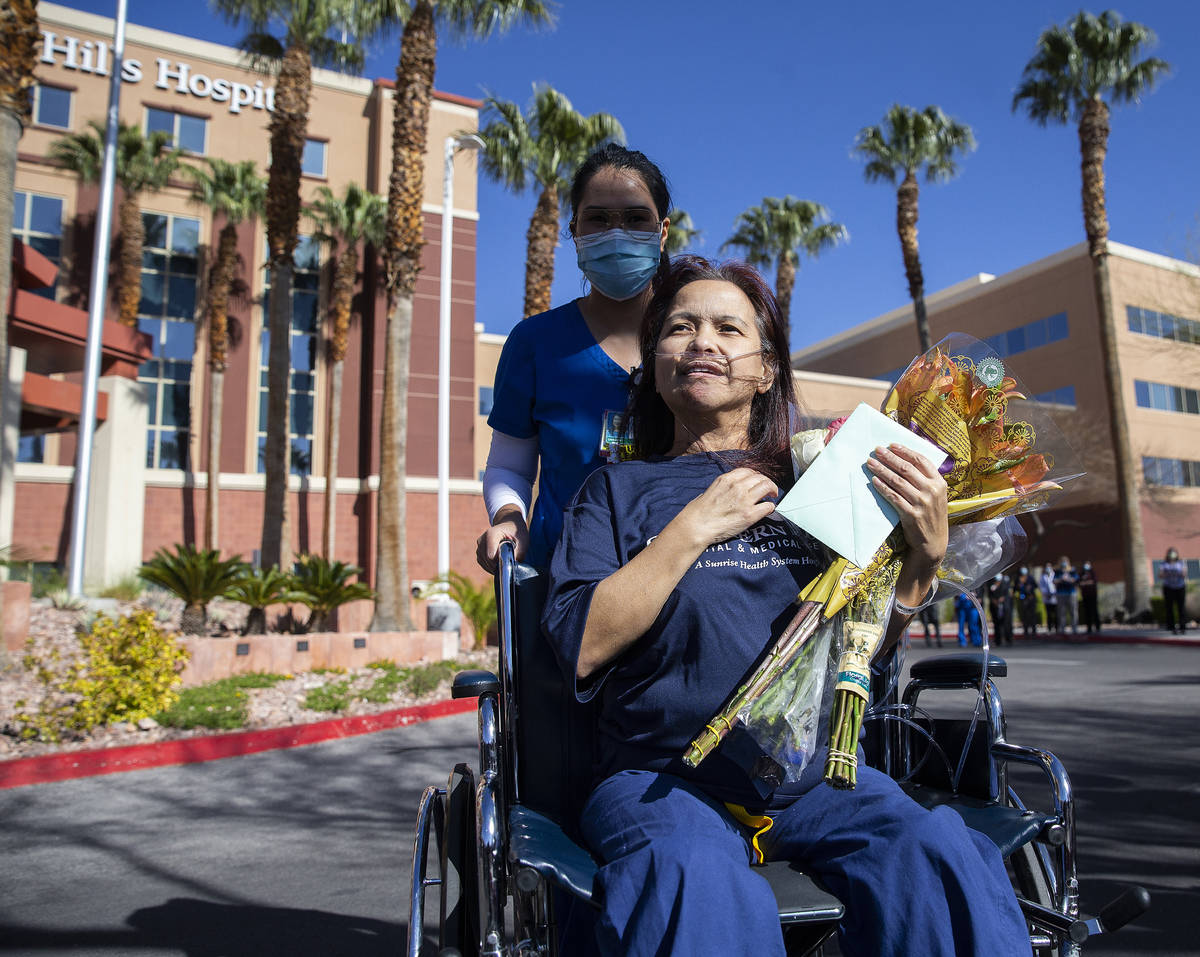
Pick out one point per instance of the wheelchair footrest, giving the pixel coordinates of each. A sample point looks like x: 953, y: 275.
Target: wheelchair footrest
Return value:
x: 537, y: 842
x: 1008, y: 827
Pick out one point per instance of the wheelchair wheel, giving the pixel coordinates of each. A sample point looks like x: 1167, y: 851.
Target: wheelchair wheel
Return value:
x: 1033, y: 882
x: 459, y: 924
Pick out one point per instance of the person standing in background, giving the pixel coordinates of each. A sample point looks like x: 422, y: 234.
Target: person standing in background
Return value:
x: 1173, y: 574
x: 1066, y: 583
x: 1089, y: 598
x: 929, y: 619
x: 999, y: 592
x: 1025, y: 593
x: 1049, y: 597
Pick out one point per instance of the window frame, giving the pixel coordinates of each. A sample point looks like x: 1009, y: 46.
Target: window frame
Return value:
x: 36, y: 105
x: 324, y: 143
x: 176, y: 116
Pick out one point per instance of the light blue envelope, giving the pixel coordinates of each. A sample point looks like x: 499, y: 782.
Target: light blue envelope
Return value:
x: 834, y: 500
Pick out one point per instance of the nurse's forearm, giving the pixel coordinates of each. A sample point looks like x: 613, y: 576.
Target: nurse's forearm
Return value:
x: 626, y: 603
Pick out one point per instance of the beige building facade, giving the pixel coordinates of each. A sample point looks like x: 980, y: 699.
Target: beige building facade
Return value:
x: 1041, y: 320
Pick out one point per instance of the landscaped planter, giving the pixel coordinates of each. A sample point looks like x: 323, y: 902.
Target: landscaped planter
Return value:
x: 213, y: 658
x: 15, y: 624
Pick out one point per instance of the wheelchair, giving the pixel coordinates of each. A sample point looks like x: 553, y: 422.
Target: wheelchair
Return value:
x: 510, y: 869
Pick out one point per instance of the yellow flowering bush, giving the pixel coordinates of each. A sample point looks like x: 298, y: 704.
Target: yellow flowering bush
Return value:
x: 128, y: 669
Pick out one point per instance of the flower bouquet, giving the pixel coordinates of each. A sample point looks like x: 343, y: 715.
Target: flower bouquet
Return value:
x: 1003, y: 455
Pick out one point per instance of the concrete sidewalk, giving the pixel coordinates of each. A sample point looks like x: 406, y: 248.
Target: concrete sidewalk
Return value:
x: 1109, y: 634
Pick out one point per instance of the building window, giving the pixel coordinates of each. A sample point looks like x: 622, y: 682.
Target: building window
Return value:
x: 1168, y: 398
x: 37, y: 222
x: 187, y: 132
x: 31, y: 448
x: 312, y: 162
x: 52, y: 106
x: 485, y: 400
x: 306, y: 294
x: 1161, y: 325
x: 1032, y: 335
x: 1061, y: 396
x: 167, y: 313
x: 1181, y: 473
x: 1193, y: 569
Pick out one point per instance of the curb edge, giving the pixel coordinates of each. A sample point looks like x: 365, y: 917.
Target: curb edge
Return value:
x: 48, y: 768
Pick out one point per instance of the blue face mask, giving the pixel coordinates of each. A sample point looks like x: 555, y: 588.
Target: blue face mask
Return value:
x: 618, y: 263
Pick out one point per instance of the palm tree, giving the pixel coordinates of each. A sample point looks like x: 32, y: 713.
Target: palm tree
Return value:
x: 237, y: 192
x: 1073, y: 73
x: 357, y: 216
x: 541, y: 147
x: 287, y: 37
x: 906, y: 142
x: 776, y: 232
x: 144, y: 165
x: 682, y: 233
x: 18, y: 58
x: 402, y: 255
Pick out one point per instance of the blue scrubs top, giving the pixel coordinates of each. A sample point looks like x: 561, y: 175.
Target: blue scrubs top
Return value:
x: 556, y: 383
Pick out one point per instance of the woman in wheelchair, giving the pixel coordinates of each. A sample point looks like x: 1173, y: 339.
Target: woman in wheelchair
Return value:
x: 671, y: 578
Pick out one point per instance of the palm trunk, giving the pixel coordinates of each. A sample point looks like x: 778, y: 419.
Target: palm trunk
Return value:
x: 288, y: 126
x: 785, y: 282
x: 256, y: 622
x: 343, y: 292
x: 906, y: 227
x: 129, y: 268
x: 194, y: 620
x: 220, y: 281
x: 1093, y: 146
x: 540, y: 241
x: 402, y: 258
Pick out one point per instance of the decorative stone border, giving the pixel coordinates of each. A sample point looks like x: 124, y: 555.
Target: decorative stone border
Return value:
x: 213, y: 658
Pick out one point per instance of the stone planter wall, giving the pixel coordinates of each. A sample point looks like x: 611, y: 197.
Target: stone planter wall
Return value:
x: 15, y: 624
x: 213, y: 658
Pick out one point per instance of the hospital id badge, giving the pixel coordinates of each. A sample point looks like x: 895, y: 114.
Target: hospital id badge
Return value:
x: 616, y: 439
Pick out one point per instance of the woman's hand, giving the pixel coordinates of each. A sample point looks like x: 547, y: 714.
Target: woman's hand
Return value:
x: 509, y: 526
x: 916, y: 490
x: 730, y: 505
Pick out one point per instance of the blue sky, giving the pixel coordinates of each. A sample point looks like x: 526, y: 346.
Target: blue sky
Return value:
x: 741, y: 101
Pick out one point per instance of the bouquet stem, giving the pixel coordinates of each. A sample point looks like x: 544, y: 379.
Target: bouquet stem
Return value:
x: 849, y: 702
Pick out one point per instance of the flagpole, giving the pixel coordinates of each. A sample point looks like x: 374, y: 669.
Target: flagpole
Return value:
x: 96, y: 300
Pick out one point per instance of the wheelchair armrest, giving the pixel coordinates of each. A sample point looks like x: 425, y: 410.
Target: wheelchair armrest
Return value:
x: 473, y: 683
x: 964, y: 667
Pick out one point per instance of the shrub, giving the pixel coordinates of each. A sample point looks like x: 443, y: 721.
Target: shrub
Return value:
x: 323, y: 586
x: 128, y: 588
x: 258, y: 588
x: 478, y: 603
x: 195, y: 576
x: 218, y: 704
x: 427, y: 677
x: 334, y: 696
x: 127, y: 671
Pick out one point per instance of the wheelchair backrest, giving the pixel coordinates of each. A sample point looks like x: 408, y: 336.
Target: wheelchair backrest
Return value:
x: 554, y: 737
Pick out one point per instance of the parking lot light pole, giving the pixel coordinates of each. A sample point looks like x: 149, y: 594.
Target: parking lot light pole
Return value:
x: 453, y: 145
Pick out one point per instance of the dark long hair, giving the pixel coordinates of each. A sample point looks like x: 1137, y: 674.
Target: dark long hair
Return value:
x: 616, y: 156
x: 768, y: 429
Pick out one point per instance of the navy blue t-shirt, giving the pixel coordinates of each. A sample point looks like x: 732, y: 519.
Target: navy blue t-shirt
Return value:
x: 734, y: 601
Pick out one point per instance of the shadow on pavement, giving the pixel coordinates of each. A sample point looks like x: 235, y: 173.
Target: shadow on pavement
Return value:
x: 199, y: 928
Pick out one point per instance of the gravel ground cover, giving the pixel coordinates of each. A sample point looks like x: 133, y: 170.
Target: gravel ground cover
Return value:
x: 283, y: 704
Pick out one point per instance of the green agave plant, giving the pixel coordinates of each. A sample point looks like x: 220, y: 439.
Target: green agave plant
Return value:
x: 324, y: 585
x: 478, y: 602
x: 196, y: 576
x: 258, y: 588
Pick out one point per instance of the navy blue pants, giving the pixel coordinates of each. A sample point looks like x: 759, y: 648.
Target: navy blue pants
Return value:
x: 676, y: 875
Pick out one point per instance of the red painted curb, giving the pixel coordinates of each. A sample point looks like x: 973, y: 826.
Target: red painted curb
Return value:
x: 134, y: 757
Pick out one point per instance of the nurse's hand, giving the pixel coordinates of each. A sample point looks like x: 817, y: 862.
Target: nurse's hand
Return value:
x: 509, y: 526
x: 917, y: 491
